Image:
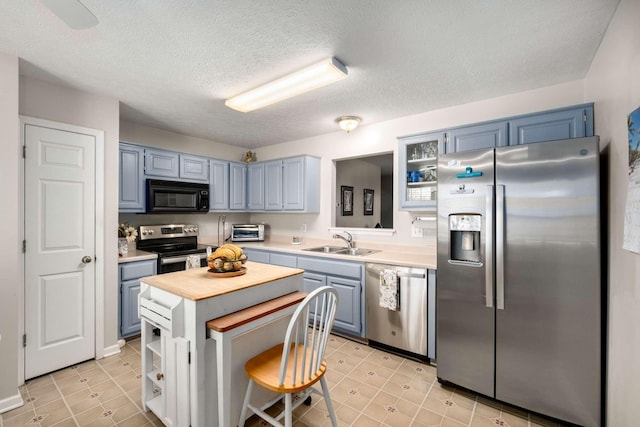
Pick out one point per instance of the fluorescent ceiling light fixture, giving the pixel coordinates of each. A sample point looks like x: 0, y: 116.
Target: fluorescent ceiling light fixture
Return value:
x: 348, y: 123
x: 312, y: 77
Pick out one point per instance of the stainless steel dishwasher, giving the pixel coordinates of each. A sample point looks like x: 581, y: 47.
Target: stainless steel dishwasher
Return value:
x: 412, y: 326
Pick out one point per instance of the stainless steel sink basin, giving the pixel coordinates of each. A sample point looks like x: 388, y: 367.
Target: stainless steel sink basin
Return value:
x: 326, y: 249
x: 358, y: 251
x: 341, y: 250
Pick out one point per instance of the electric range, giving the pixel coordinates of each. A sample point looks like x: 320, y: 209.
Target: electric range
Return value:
x: 173, y: 243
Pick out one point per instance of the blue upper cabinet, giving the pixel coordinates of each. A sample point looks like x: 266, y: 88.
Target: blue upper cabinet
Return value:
x: 237, y: 186
x: 219, y: 185
x: 172, y: 165
x: 300, y: 184
x: 255, y: 186
x: 485, y: 135
x: 289, y: 185
x: 417, y: 170
x: 228, y: 185
x: 161, y: 163
x: 194, y: 168
x: 565, y: 123
x: 131, y: 193
x: 273, y: 185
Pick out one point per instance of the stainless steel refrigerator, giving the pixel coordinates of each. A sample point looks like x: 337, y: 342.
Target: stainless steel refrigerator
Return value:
x: 519, y: 293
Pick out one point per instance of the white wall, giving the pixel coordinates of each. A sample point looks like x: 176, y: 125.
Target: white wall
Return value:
x: 613, y: 83
x: 10, y: 217
x: 62, y: 104
x: 381, y: 138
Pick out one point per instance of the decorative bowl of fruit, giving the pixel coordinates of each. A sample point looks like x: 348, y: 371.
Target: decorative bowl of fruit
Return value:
x: 227, y: 261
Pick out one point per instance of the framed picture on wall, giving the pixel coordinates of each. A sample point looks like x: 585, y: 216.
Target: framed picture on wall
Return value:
x: 368, y: 201
x: 346, y: 200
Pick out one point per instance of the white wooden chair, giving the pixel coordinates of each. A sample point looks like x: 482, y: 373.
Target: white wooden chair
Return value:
x: 298, y: 363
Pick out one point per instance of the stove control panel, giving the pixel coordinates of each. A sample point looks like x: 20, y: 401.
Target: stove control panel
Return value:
x: 167, y: 231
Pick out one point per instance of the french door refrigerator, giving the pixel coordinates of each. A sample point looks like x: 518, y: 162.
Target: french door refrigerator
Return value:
x: 519, y: 315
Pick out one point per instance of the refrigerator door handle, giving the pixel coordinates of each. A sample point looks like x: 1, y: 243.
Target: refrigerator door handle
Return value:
x: 500, y: 247
x: 489, y: 248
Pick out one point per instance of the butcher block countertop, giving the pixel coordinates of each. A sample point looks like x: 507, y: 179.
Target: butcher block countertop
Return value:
x: 198, y: 284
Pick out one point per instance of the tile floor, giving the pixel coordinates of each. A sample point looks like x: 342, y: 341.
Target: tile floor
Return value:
x: 368, y: 387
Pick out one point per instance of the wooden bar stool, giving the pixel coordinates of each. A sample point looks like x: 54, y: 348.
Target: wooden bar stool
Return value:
x: 298, y: 363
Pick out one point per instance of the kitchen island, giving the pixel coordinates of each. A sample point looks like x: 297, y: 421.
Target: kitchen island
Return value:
x: 182, y: 368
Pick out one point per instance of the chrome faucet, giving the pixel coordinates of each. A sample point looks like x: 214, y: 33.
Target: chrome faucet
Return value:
x: 348, y: 239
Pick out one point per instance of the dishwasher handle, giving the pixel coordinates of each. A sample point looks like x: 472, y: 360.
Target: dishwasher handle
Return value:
x: 376, y: 269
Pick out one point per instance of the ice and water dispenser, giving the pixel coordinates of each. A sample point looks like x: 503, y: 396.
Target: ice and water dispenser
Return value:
x: 464, y: 238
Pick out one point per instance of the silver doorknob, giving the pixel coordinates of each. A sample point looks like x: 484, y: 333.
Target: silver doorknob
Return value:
x: 86, y: 259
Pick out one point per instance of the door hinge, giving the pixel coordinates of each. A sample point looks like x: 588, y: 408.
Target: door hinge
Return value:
x: 24, y: 340
x: 24, y: 151
x: 189, y: 358
x: 446, y: 138
x: 24, y: 246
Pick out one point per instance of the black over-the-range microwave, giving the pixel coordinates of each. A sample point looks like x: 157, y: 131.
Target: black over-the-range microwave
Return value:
x: 176, y: 196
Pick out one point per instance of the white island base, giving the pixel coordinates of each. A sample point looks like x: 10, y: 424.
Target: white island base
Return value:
x: 184, y: 388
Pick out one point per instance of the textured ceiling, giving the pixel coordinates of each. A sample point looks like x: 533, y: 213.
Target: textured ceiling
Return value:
x: 173, y: 63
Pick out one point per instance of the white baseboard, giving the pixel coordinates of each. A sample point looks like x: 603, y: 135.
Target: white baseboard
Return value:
x: 111, y: 350
x: 11, y: 403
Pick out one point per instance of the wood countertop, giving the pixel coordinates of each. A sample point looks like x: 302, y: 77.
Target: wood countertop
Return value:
x: 198, y: 284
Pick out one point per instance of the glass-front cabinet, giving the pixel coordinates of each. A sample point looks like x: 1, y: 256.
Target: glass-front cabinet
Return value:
x: 417, y: 172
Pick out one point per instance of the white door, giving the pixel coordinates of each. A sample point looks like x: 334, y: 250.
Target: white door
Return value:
x: 60, y: 249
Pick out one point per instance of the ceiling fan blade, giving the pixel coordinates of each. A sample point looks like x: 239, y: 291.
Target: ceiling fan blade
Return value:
x: 73, y: 13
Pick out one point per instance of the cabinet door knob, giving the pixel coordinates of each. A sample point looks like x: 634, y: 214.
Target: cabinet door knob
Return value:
x: 86, y: 259
x: 159, y: 376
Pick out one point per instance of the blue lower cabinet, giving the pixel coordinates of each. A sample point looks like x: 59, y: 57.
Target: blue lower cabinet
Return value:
x: 256, y: 255
x: 348, y: 315
x: 129, y: 321
x: 285, y: 260
x: 346, y: 278
x: 313, y: 281
x: 129, y: 276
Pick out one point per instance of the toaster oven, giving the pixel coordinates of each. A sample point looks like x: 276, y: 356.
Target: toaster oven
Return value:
x: 247, y: 232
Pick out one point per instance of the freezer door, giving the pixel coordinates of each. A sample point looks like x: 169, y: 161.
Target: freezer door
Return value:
x: 465, y: 313
x: 548, y: 335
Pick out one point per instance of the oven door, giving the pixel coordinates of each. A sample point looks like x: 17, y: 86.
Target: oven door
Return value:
x: 168, y: 263
x: 174, y: 196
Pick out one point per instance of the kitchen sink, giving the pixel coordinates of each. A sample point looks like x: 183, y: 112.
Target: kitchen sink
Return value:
x: 326, y: 249
x: 357, y: 251
x: 341, y: 250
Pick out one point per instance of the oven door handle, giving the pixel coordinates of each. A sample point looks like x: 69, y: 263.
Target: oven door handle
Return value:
x: 177, y: 259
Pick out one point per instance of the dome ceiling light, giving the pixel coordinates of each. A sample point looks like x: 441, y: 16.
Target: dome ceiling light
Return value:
x: 348, y: 123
